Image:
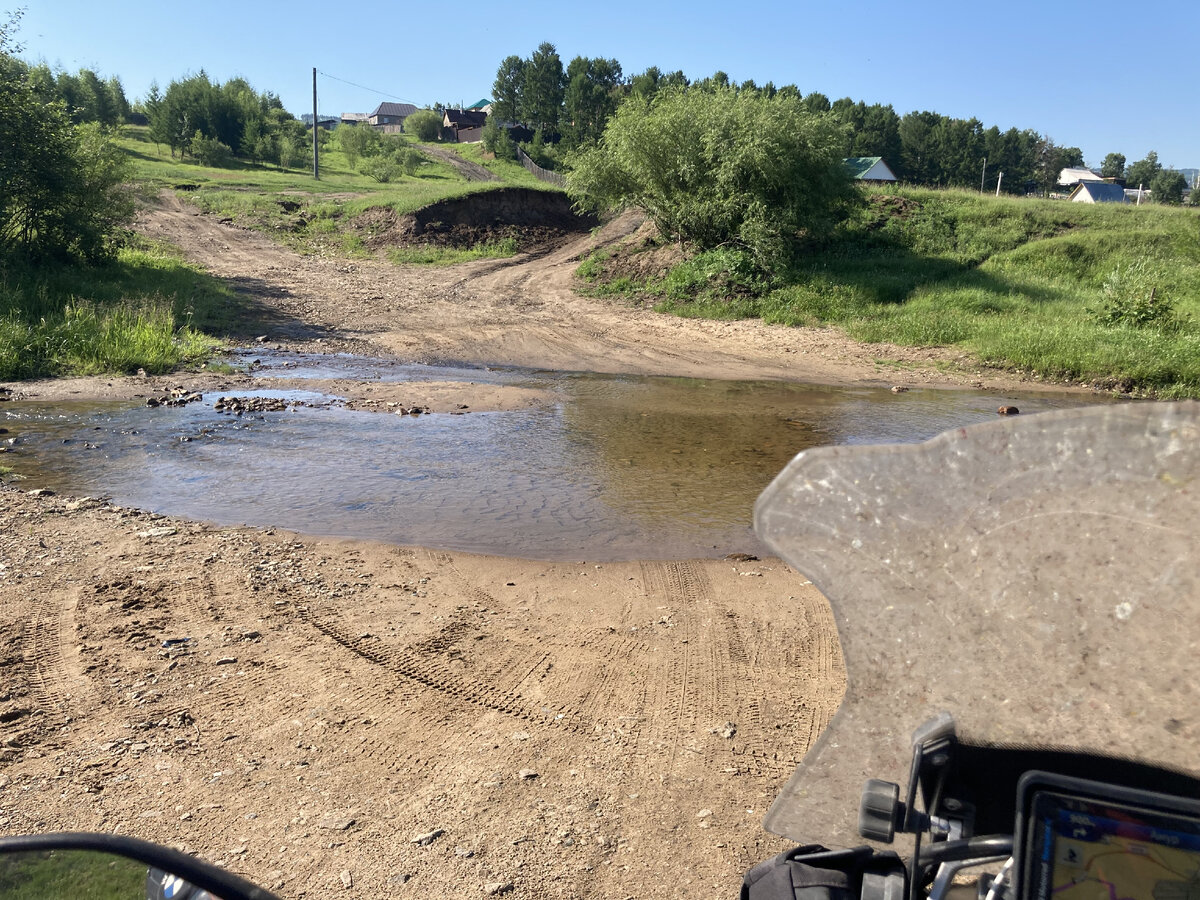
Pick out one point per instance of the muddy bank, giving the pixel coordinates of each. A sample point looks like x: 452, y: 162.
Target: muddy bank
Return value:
x: 527, y: 217
x: 434, y: 396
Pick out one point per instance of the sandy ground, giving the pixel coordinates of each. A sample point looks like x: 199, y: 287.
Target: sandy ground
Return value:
x: 330, y: 717
x: 296, y: 708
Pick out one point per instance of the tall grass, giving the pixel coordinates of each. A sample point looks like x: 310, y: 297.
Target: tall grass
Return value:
x: 1018, y: 283
x: 144, y: 311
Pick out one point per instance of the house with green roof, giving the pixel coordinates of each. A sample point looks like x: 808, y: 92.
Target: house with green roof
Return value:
x: 869, y: 168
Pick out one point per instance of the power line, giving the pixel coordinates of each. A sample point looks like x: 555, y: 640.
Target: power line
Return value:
x: 372, y: 90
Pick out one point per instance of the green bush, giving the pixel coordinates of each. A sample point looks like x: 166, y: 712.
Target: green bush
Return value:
x: 1130, y: 297
x: 382, y: 168
x: 410, y: 160
x: 210, y: 151
x: 62, y: 186
x: 424, y: 125
x: 715, y: 167
x: 357, y: 141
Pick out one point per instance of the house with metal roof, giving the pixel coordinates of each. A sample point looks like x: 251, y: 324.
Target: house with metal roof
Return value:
x: 463, y: 126
x: 869, y: 168
x: 1097, y: 192
x: 391, y: 113
x: 1072, y: 176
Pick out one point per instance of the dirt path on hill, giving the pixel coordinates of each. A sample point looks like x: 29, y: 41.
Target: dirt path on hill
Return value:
x: 472, y: 171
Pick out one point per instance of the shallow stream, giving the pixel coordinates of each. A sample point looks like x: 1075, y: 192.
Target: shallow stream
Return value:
x: 617, y: 467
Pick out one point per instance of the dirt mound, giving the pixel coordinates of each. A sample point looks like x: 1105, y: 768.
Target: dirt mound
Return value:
x: 643, y: 256
x: 885, y: 207
x: 527, y: 216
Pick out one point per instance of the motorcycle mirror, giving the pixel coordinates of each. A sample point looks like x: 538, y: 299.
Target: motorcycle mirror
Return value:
x: 102, y: 865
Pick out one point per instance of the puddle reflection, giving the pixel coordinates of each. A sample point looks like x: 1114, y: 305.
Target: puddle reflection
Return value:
x: 619, y: 468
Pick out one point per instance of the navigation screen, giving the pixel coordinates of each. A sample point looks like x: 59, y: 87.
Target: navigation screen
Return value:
x: 1085, y: 849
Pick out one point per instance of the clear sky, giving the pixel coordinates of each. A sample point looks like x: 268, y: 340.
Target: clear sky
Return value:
x: 1099, y: 76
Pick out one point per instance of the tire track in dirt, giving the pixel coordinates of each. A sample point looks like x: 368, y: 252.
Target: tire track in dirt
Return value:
x: 712, y: 679
x: 419, y: 668
x: 56, y: 675
x: 684, y: 588
x: 805, y: 646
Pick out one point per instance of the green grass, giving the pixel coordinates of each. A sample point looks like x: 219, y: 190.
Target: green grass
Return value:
x: 509, y: 172
x: 146, y: 310
x: 448, y: 256
x: 309, y: 215
x: 1017, y: 283
x: 37, y: 875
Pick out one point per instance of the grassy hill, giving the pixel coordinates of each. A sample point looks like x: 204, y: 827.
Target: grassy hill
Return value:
x: 1104, y: 294
x: 316, y: 215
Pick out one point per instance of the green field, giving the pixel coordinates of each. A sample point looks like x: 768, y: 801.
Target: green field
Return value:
x: 1107, y: 295
x: 313, y: 215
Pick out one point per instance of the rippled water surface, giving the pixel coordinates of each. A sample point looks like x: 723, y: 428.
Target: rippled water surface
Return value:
x: 617, y: 468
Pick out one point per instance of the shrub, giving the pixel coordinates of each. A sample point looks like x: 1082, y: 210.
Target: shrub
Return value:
x: 381, y: 168
x: 1131, y: 298
x: 62, y: 187
x: 210, y: 151
x: 424, y: 124
x: 720, y: 167
x: 357, y: 141
x: 410, y: 160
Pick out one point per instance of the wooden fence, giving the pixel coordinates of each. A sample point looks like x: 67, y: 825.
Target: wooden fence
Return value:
x: 538, y: 172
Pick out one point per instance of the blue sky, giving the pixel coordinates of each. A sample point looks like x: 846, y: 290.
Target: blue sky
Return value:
x: 1097, y: 76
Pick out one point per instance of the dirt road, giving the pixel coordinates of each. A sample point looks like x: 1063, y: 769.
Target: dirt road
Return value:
x: 523, y: 312
x: 296, y: 708
x: 348, y: 718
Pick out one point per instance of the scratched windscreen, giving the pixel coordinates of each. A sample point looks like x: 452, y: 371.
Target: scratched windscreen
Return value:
x: 1037, y: 578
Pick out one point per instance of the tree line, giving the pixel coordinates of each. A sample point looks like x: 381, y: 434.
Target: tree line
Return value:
x: 62, y: 178
x: 84, y: 95
x: 214, y: 122
x: 568, y: 108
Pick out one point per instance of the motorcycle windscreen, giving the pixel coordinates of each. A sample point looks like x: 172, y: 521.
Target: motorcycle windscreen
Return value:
x: 1035, y: 577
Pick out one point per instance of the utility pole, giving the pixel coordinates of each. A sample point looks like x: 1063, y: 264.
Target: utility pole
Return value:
x: 983, y: 177
x: 999, y: 181
x: 316, y: 163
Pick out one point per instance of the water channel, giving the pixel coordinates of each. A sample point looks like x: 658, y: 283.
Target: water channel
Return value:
x: 615, y: 467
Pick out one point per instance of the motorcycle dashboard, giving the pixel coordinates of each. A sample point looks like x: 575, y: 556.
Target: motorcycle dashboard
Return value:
x: 1078, y: 840
x: 1036, y: 577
